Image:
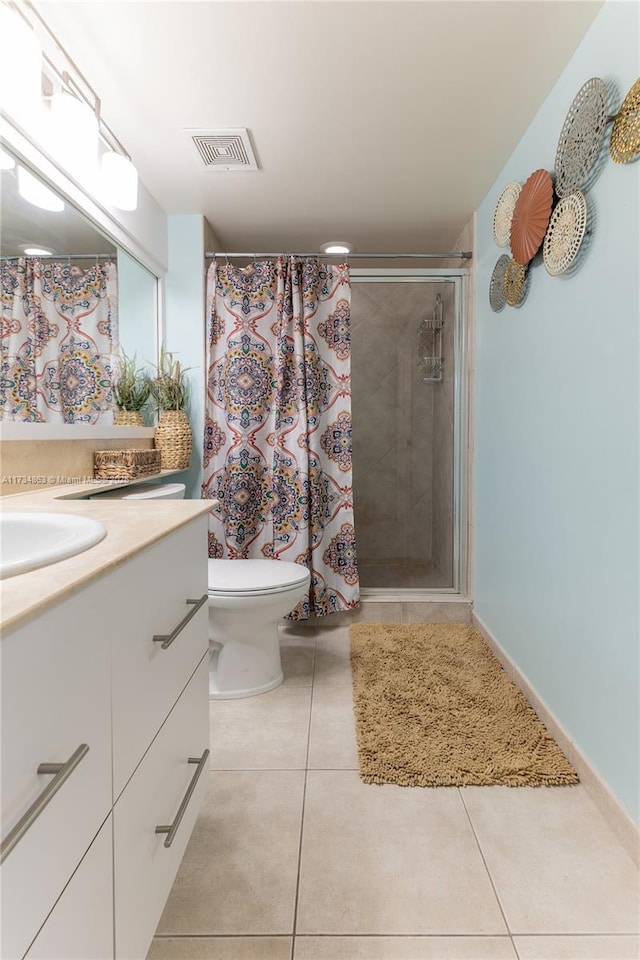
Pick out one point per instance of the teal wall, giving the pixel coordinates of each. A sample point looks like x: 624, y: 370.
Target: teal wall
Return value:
x: 556, y: 486
x: 184, y: 324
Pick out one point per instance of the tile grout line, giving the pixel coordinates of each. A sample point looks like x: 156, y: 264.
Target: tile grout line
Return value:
x: 304, y: 797
x: 486, y: 866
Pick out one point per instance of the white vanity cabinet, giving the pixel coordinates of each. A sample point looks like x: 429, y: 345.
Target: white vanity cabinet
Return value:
x: 56, y: 702
x: 158, y: 591
x: 166, y: 790
x: 160, y: 690
x: 118, y: 667
x: 80, y: 926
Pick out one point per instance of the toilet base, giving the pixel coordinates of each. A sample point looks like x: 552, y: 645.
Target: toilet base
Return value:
x: 215, y: 694
x: 238, y: 670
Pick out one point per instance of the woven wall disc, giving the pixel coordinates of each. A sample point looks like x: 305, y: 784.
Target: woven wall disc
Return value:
x: 496, y: 283
x: 581, y: 136
x: 625, y: 136
x: 514, y: 283
x: 565, y: 233
x: 531, y: 216
x: 504, y: 213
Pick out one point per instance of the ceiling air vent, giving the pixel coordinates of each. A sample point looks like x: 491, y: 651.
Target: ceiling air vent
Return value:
x: 225, y: 149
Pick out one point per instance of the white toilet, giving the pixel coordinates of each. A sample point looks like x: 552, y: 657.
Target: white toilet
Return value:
x: 247, y: 598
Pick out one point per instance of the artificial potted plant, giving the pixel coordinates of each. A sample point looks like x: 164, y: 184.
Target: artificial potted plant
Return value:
x: 131, y: 390
x: 170, y: 391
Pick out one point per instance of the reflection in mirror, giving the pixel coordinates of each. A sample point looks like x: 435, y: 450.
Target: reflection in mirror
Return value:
x: 71, y: 302
x: 138, y: 310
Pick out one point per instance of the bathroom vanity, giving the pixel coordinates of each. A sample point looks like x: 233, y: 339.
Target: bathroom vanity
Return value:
x: 105, y: 725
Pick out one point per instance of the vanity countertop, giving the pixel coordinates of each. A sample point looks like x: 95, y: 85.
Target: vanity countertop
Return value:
x: 131, y: 526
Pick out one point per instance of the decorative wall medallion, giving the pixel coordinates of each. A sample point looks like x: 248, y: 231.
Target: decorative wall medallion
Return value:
x: 581, y: 136
x: 514, y: 283
x: 531, y: 216
x: 496, y: 283
x: 504, y: 213
x: 565, y: 233
x: 625, y: 136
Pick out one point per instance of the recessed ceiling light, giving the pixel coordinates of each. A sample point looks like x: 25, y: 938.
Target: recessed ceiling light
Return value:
x: 37, y: 252
x: 336, y: 246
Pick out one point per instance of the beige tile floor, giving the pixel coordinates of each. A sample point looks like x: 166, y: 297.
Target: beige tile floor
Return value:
x: 294, y: 858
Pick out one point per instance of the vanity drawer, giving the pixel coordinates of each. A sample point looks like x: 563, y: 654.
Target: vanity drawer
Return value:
x: 80, y: 926
x: 148, y: 675
x: 55, y: 699
x: 144, y: 868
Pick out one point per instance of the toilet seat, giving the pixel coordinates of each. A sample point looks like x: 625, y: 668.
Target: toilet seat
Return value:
x: 254, y: 578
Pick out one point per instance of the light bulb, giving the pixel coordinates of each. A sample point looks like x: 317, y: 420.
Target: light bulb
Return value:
x: 119, y: 181
x: 73, y: 134
x: 20, y: 66
x: 336, y: 246
x: 35, y: 192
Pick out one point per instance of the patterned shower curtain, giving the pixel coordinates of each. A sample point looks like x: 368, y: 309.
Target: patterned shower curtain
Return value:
x: 59, y: 339
x: 277, y: 448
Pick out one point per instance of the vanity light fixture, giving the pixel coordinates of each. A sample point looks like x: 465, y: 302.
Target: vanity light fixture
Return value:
x: 336, y: 246
x: 73, y: 134
x: 20, y: 65
x: 35, y: 192
x: 72, y: 129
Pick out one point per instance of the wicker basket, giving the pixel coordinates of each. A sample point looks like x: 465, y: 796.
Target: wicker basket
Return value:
x: 125, y: 464
x: 173, y: 439
x: 128, y: 418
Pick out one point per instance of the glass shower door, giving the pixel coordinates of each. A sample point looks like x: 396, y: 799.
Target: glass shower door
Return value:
x: 405, y: 426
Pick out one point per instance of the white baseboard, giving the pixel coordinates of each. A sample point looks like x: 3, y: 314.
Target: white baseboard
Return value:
x: 617, y: 817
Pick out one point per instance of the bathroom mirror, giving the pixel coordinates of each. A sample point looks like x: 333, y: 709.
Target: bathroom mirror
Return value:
x: 59, y: 230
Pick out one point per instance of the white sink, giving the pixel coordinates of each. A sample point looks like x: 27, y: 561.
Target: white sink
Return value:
x: 31, y: 540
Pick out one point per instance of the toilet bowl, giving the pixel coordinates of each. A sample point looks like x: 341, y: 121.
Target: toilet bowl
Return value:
x: 144, y: 491
x: 247, y: 598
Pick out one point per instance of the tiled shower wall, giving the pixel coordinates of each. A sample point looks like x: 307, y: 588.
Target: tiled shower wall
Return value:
x: 399, y: 430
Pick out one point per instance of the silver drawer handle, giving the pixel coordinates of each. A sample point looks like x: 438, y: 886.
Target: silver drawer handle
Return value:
x: 62, y: 772
x: 167, y: 640
x: 173, y: 828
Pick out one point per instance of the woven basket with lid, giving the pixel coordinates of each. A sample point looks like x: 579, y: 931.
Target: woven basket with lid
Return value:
x: 125, y: 464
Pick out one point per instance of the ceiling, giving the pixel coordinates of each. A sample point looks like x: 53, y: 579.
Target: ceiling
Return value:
x: 380, y: 122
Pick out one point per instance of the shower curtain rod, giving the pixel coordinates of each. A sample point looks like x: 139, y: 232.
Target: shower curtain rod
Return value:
x: 61, y: 256
x: 457, y: 255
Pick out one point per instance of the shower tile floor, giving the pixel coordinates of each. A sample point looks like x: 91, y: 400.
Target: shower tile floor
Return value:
x: 294, y: 858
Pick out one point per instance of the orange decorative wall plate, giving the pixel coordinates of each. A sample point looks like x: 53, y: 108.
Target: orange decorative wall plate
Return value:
x: 531, y: 216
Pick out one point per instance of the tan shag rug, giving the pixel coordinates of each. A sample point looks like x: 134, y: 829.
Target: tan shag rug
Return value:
x: 435, y: 708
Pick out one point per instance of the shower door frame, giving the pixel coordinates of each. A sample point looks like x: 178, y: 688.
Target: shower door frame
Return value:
x: 461, y: 574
